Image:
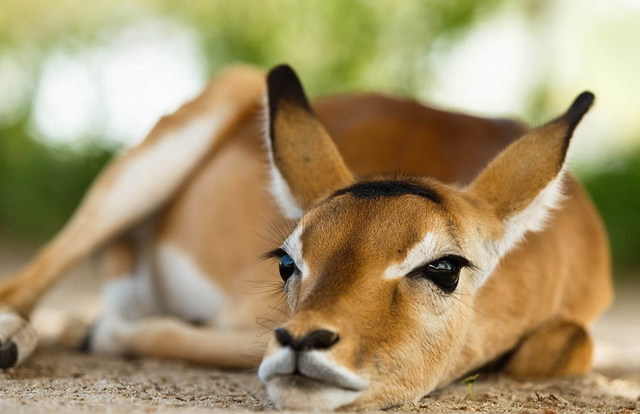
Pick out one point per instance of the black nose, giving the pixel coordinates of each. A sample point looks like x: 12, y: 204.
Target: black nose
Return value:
x: 318, y: 339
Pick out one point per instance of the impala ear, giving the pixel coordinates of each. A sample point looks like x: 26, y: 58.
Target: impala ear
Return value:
x: 305, y: 163
x: 524, y: 182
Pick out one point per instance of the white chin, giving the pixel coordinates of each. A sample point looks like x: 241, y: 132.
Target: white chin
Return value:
x: 293, y: 392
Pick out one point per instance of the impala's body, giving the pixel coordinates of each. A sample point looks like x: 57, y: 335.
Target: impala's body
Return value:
x: 396, y: 283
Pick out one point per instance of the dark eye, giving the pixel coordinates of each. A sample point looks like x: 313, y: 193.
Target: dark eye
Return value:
x: 287, y: 267
x: 444, y: 272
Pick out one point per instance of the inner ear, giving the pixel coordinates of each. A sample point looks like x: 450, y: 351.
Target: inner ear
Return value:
x: 306, y: 165
x: 524, y: 182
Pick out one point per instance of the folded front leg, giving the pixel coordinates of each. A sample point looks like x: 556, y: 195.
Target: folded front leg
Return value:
x: 559, y: 348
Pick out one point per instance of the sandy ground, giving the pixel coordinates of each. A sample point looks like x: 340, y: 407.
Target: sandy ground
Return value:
x: 59, y: 379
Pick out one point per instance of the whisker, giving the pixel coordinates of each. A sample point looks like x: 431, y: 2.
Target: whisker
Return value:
x: 473, y: 308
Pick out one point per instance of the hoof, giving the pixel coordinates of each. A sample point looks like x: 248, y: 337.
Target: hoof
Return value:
x: 17, y: 339
x: 8, y: 355
x: 86, y: 345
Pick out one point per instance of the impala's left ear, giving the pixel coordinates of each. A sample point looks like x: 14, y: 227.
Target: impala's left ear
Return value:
x: 305, y: 163
x: 524, y: 182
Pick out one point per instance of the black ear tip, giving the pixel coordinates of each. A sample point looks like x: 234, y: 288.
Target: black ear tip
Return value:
x: 283, y: 84
x: 579, y: 107
x: 281, y: 72
x: 584, y: 100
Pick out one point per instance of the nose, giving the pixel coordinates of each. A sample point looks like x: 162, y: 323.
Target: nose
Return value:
x: 318, y: 339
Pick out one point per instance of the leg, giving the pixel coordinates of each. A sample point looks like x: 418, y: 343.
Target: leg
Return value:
x: 560, y: 348
x: 137, y: 184
x: 128, y: 294
x: 131, y: 324
x: 171, y: 338
x: 130, y: 189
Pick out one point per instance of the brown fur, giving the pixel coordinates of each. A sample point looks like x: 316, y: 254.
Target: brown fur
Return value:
x: 403, y: 334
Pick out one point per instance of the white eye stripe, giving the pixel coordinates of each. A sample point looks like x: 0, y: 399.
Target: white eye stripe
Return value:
x: 430, y: 248
x: 293, y: 247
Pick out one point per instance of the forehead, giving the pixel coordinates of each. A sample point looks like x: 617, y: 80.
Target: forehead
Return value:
x: 380, y: 221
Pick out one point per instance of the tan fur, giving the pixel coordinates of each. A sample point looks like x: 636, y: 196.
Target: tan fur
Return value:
x: 404, y: 336
x: 561, y: 348
x: 315, y: 151
x: 118, y: 259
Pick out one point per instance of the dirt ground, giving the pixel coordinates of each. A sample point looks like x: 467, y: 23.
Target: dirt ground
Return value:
x: 59, y: 379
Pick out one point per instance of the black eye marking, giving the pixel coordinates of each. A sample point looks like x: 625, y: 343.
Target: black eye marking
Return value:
x: 287, y: 266
x: 444, y: 272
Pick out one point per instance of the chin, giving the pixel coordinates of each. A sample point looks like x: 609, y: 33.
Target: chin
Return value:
x: 295, y: 392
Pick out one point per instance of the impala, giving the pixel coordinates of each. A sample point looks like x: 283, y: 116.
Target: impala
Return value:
x: 416, y: 245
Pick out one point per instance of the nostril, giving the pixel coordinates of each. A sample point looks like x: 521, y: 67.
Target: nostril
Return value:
x: 320, y: 339
x: 284, y: 338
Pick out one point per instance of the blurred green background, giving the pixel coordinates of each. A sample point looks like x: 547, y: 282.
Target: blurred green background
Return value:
x: 80, y: 80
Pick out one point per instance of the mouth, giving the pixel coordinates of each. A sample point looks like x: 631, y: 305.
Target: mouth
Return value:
x: 314, y: 366
x: 309, y: 380
x: 297, y: 392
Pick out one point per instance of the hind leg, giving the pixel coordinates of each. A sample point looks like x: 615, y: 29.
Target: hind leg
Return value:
x: 131, y: 188
x: 142, y: 316
x: 124, y: 330
x: 559, y: 348
x: 129, y: 292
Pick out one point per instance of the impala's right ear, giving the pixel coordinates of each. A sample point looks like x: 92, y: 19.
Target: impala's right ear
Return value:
x: 305, y: 163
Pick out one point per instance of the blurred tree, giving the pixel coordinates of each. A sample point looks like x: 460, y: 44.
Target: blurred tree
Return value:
x: 337, y: 45
x: 41, y: 185
x: 616, y: 193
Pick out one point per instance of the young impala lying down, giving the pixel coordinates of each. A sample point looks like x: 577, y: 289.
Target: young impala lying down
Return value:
x: 420, y: 245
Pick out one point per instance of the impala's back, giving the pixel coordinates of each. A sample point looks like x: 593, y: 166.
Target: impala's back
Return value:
x: 399, y: 282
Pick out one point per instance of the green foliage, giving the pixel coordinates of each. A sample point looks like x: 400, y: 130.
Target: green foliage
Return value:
x: 616, y: 192
x: 337, y: 45
x: 40, y: 186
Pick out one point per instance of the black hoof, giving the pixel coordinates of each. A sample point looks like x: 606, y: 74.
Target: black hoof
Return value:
x: 87, y: 343
x: 8, y: 355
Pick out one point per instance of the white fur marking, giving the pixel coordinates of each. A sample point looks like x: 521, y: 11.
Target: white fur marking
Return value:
x: 534, y: 216
x: 111, y: 334
x: 329, y: 385
x: 280, y: 190
x: 281, y: 362
x: 320, y: 366
x: 293, y: 247
x: 316, y: 365
x: 185, y: 289
x: 278, y: 187
x: 423, y: 252
x: 130, y: 296
x: 311, y: 396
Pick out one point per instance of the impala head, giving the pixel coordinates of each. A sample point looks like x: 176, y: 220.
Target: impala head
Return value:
x: 381, y: 273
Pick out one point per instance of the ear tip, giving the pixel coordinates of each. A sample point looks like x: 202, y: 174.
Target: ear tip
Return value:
x: 584, y: 100
x: 283, y: 84
x: 281, y: 71
x: 579, y: 107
